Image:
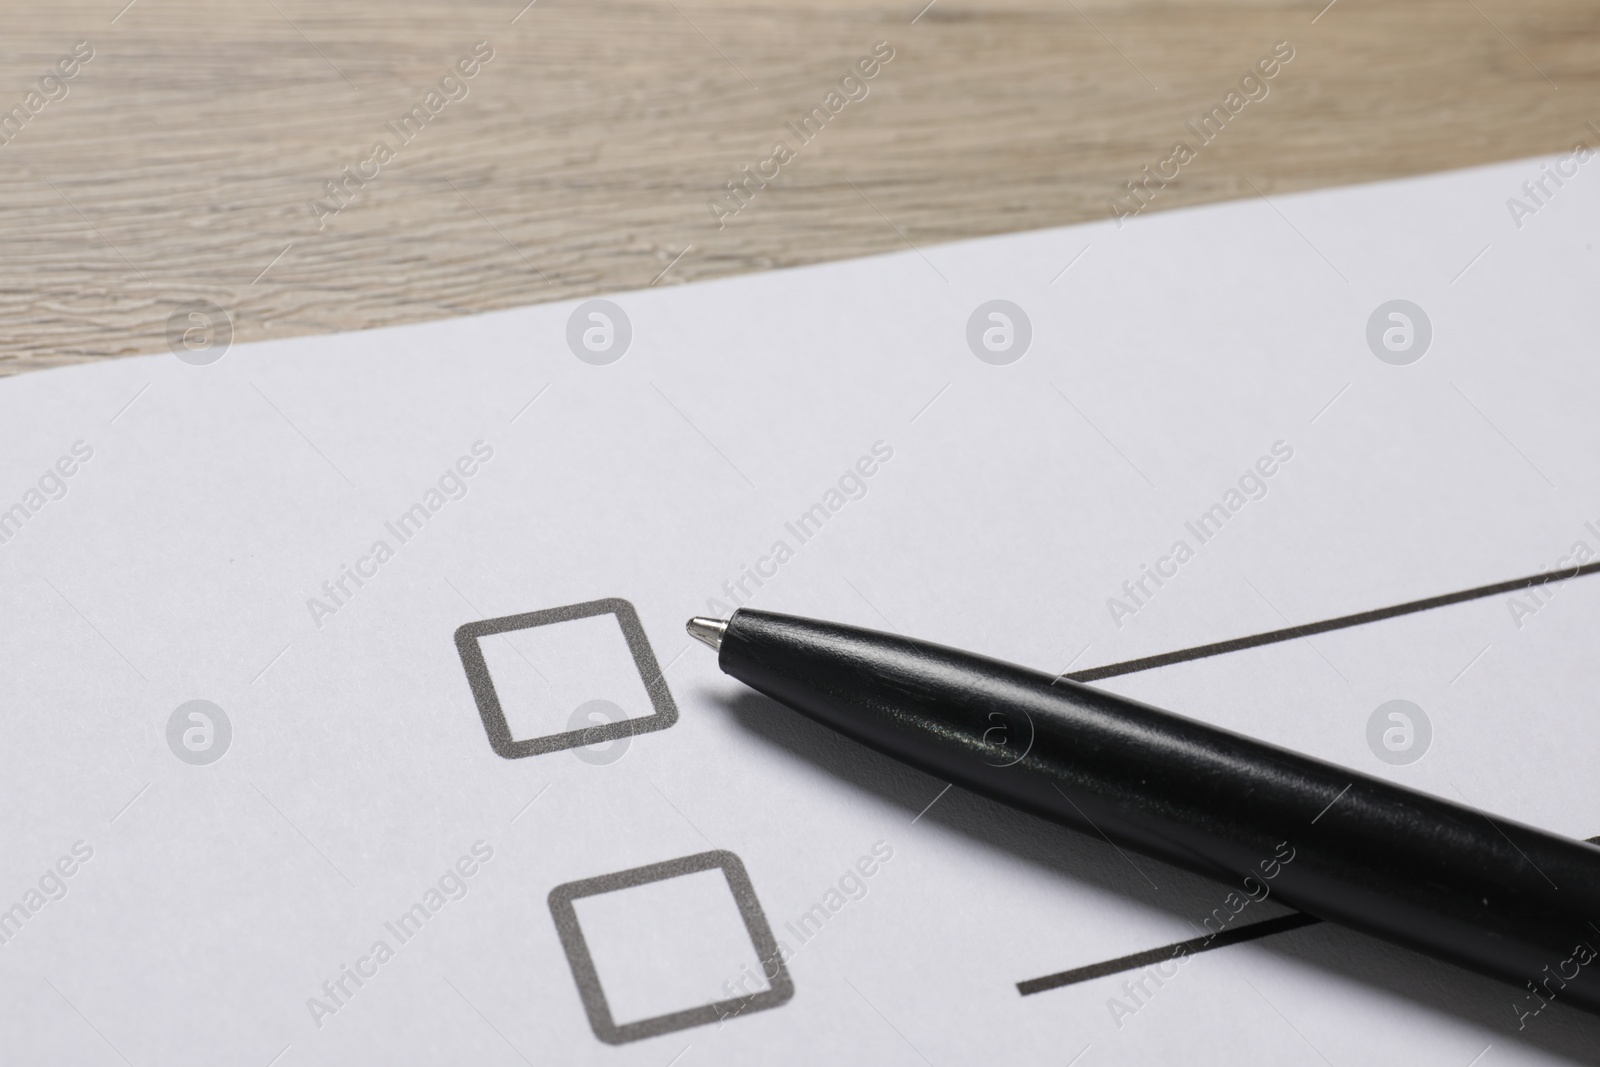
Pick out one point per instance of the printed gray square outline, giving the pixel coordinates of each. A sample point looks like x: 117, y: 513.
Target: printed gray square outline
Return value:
x: 780, y: 986
x: 494, y: 717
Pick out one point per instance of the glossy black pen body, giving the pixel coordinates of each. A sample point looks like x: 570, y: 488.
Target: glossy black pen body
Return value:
x: 1489, y: 894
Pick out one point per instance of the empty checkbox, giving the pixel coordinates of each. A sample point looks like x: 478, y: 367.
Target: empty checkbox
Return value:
x: 530, y: 674
x: 669, y: 946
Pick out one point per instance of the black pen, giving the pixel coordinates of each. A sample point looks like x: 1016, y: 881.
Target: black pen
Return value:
x: 1492, y: 895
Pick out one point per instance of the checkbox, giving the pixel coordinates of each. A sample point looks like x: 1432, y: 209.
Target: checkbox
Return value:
x: 536, y: 677
x: 669, y: 946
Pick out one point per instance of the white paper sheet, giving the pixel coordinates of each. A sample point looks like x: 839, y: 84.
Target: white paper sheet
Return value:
x: 213, y: 906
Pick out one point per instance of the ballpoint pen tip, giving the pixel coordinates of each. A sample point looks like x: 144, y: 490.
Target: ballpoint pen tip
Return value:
x: 707, y: 631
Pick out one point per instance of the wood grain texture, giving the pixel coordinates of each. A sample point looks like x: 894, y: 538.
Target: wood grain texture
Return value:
x: 184, y: 158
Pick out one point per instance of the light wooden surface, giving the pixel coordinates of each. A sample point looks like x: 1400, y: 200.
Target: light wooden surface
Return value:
x: 183, y: 160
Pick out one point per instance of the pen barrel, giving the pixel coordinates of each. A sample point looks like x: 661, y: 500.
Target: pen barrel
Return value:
x: 1495, y: 896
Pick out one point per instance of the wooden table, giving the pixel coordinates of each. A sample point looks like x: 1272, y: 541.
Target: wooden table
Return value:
x: 185, y: 158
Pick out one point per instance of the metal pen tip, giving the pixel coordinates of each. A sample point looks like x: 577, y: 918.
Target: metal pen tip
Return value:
x: 707, y: 630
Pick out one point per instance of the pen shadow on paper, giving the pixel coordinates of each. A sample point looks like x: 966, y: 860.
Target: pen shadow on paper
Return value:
x: 1561, y: 1030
